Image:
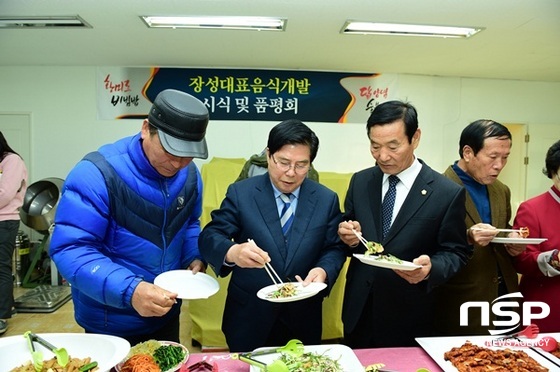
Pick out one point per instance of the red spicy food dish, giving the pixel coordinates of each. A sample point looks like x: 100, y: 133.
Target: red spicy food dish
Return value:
x: 474, y: 358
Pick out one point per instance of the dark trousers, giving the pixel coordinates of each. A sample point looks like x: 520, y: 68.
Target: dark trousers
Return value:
x: 8, y: 234
x: 361, y: 336
x: 283, y: 331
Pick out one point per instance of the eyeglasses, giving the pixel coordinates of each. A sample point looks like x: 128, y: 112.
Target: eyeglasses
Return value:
x: 285, y: 166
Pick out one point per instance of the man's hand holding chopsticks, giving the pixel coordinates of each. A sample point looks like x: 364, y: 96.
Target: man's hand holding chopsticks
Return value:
x: 247, y: 255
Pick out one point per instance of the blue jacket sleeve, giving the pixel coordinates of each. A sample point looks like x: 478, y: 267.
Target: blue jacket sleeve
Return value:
x: 77, y: 247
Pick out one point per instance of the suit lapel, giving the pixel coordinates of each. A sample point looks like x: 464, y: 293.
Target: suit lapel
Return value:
x: 419, y: 194
x: 307, y: 203
x: 266, y: 204
x: 497, y: 207
x: 472, y: 212
x: 375, y: 200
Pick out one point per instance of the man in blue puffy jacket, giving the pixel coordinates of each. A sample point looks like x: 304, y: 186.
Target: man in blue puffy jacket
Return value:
x: 129, y: 212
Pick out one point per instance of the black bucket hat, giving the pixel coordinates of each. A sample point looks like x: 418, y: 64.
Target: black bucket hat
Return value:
x: 181, y: 120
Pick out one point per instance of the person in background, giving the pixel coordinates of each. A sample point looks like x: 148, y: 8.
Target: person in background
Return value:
x: 13, y: 185
x: 129, y: 212
x: 258, y: 164
x: 424, y: 223
x: 253, y: 227
x: 484, y: 147
x: 540, y: 263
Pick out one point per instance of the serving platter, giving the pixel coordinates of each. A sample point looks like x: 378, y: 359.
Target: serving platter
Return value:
x: 187, y: 285
x: 347, y: 359
x: 436, y: 347
x: 374, y: 260
x: 301, y: 292
x: 547, y: 355
x: 106, y: 350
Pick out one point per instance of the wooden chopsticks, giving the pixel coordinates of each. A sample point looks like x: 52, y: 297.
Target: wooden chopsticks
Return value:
x: 270, y: 270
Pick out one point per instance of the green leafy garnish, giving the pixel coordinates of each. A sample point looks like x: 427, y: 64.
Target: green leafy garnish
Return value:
x: 168, y: 356
x: 310, y: 362
x: 88, y: 367
x: 389, y: 257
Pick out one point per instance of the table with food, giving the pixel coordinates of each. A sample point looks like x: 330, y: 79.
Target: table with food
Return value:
x: 78, y: 352
x: 324, y: 358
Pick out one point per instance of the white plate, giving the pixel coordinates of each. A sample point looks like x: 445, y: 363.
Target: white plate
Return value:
x: 189, y: 286
x: 174, y: 368
x: 519, y: 240
x: 437, y: 346
x: 546, y: 354
x: 373, y: 261
x: 345, y: 356
x: 301, y: 292
x: 106, y: 350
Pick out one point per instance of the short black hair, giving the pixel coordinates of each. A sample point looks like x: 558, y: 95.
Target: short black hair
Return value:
x: 391, y: 111
x: 476, y: 132
x: 292, y: 132
x: 552, y: 161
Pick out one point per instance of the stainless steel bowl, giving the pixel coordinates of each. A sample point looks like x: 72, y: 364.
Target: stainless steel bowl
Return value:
x: 39, y: 204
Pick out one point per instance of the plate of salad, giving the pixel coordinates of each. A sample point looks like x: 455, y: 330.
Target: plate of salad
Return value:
x: 165, y: 356
x: 335, y: 357
x: 386, y: 261
x: 289, y: 292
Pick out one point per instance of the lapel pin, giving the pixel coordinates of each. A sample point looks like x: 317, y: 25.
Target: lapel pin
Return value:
x: 424, y: 192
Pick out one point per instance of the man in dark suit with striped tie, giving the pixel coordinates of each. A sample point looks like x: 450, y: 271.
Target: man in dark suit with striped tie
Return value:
x: 292, y: 223
x: 417, y: 215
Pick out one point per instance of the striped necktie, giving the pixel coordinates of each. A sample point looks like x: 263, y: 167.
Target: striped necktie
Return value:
x: 287, y: 216
x: 388, y: 204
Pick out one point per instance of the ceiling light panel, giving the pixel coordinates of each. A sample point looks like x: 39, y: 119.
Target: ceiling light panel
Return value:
x: 376, y: 28
x: 235, y: 23
x: 43, y: 22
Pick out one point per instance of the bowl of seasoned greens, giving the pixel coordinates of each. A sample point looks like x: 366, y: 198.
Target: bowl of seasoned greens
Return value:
x: 165, y: 356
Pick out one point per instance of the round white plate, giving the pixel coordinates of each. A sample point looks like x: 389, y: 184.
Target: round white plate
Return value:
x: 347, y: 360
x: 187, y: 285
x: 301, y: 292
x: 373, y: 261
x: 172, y: 369
x: 519, y: 240
x: 106, y: 350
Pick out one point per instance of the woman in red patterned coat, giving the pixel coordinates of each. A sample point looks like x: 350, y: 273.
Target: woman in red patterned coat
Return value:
x: 539, y: 264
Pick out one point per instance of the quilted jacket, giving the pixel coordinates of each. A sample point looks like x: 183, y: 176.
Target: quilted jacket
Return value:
x: 119, y: 222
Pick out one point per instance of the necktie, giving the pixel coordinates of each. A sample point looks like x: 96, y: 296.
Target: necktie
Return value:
x: 388, y: 204
x: 287, y: 216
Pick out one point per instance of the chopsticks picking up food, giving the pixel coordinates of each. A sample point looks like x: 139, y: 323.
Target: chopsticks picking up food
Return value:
x: 362, y: 239
x: 499, y: 230
x: 371, y: 247
x: 270, y: 270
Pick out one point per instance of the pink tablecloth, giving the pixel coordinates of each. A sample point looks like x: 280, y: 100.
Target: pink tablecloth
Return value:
x: 401, y: 359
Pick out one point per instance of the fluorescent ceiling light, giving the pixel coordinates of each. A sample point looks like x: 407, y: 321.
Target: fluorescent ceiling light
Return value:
x: 43, y: 22
x: 356, y: 27
x: 236, y: 23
